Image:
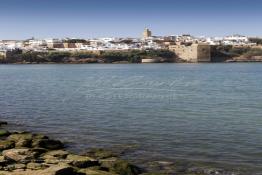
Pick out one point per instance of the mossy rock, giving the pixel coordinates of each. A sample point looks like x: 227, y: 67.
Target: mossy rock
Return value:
x: 81, y: 161
x: 167, y: 167
x: 100, y: 153
x: 20, y: 166
x: 95, y: 172
x: 121, y: 167
x: 4, y: 133
x: 2, y: 161
x: 40, y: 136
x: 6, y: 144
x: 60, y: 154
x: 51, y: 160
x: 61, y: 169
x: 36, y: 166
x: 39, y: 151
x: 21, y: 139
x: 19, y: 155
x: 19, y: 136
x: 47, y: 144
x: 54, y: 157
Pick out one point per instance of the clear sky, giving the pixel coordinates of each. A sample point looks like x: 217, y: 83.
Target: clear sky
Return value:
x: 21, y: 19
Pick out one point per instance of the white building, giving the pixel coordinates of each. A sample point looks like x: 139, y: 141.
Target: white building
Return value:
x: 11, y: 44
x: 213, y: 41
x: 185, y: 38
x: 34, y: 43
x: 236, y: 40
x: 53, y: 41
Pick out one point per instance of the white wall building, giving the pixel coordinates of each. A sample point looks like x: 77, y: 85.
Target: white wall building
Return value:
x: 52, y: 41
x: 37, y: 43
x: 235, y: 40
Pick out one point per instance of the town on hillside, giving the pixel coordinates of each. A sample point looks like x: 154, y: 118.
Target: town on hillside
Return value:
x: 186, y: 48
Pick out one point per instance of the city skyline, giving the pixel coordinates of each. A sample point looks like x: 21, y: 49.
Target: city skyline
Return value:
x: 22, y: 19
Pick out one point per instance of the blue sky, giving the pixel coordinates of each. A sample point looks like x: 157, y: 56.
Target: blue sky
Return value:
x: 21, y: 19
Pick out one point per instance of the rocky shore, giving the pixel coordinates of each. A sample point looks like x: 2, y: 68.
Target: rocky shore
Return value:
x: 245, y: 59
x: 24, y: 153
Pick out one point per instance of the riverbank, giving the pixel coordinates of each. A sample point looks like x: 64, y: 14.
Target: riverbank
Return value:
x: 25, y: 153
x: 233, y: 60
x: 243, y: 59
x: 132, y: 56
x: 217, y: 54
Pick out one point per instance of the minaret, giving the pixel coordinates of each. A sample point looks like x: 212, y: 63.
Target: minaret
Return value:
x: 147, y: 33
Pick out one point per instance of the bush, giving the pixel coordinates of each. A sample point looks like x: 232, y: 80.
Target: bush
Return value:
x: 81, y: 55
x: 160, y: 53
x: 38, y: 57
x: 132, y: 56
x: 135, y: 56
x: 253, y: 52
x: 256, y: 40
x: 114, y: 56
x: 239, y: 51
x: 58, y: 56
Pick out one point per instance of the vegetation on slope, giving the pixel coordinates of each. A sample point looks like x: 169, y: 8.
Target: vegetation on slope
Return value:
x: 133, y: 56
x: 223, y: 53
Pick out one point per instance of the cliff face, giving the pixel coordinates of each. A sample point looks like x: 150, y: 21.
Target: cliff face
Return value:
x: 236, y: 54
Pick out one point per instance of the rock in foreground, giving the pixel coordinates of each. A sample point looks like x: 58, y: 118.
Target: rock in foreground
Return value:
x: 25, y: 153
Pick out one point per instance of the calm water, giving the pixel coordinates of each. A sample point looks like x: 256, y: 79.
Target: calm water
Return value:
x: 207, y: 112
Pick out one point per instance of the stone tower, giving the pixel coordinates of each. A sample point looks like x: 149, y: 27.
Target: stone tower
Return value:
x: 147, y: 33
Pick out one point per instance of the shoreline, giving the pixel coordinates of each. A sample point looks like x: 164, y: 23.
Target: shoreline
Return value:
x: 76, y: 63
x: 26, y: 153
x: 213, y: 61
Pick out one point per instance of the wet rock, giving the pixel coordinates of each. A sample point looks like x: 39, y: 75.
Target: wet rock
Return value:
x: 29, y: 140
x: 2, y: 161
x: 81, y: 161
x: 20, y: 166
x: 13, y: 167
x: 96, y: 168
x: 54, y: 170
x: 55, y: 157
x: 4, y: 133
x: 6, y: 144
x: 89, y: 171
x: 39, y: 136
x: 48, y: 159
x: 3, y: 123
x: 19, y: 155
x: 39, y: 151
x: 210, y: 171
x: 21, y: 139
x: 4, y: 172
x: 120, y: 167
x: 18, y: 172
x: 167, y: 167
x: 61, y: 154
x: 47, y: 144
x: 36, y: 166
x: 99, y: 153
x: 61, y: 169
